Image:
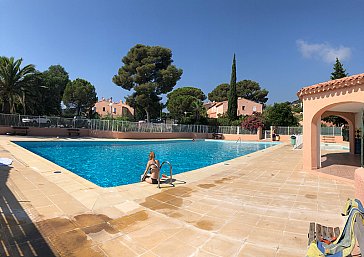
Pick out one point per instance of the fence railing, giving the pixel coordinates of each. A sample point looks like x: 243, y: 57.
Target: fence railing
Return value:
x: 288, y: 130
x: 114, y: 125
x: 331, y: 131
x: 326, y: 131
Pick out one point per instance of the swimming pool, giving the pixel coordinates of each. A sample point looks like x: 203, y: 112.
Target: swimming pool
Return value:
x: 333, y: 146
x: 114, y: 163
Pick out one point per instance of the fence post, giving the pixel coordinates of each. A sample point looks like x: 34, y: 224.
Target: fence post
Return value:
x: 238, y: 130
x: 260, y: 133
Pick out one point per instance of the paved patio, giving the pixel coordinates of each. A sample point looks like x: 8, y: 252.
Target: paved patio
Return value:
x: 256, y: 205
x: 340, y: 164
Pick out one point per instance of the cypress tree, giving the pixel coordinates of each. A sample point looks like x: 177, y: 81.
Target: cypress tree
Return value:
x: 339, y: 71
x: 233, y: 98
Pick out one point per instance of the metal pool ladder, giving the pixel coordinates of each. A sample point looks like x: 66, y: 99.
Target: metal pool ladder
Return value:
x: 170, y: 174
x: 239, y: 139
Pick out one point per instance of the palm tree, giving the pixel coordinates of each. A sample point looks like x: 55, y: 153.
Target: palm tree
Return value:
x: 14, y: 82
x: 198, y: 109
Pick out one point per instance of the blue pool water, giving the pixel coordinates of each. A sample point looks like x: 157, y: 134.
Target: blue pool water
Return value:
x: 110, y: 163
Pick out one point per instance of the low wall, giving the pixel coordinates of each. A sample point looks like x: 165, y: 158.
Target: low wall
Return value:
x: 242, y: 137
x: 359, y: 184
x: 47, y: 132
x: 145, y: 135
x: 62, y: 132
x: 338, y: 139
x: 287, y: 138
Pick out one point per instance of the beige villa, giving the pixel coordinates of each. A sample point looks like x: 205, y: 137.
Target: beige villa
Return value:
x: 107, y: 107
x: 245, y: 107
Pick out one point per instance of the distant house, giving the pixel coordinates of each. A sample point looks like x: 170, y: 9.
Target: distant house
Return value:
x: 245, y: 107
x: 107, y: 107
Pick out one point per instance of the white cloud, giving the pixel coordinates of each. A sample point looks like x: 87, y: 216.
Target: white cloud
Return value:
x: 323, y: 51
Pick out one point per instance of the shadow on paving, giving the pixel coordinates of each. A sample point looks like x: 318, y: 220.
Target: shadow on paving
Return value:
x: 18, y: 235
x: 346, y: 159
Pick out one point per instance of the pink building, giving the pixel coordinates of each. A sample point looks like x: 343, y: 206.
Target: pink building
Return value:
x: 108, y: 107
x: 245, y: 107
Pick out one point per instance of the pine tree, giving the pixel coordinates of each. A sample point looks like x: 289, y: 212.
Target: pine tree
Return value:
x: 233, y: 98
x: 339, y: 71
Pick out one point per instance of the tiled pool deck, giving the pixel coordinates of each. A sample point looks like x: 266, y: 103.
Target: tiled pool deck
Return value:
x: 255, y: 205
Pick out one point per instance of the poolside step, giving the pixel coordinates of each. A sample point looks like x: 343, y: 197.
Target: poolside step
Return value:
x: 328, y: 139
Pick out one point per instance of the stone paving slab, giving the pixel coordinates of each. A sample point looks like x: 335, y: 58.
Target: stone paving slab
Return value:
x: 256, y: 205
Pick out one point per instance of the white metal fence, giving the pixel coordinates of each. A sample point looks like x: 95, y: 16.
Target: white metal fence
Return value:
x: 114, y: 125
x: 331, y: 131
x: 327, y: 131
x: 288, y: 130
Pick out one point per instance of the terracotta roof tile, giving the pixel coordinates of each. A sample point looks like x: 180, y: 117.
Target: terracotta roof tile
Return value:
x: 331, y: 85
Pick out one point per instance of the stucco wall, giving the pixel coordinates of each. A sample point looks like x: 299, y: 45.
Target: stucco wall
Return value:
x: 117, y: 108
x: 145, y: 135
x: 61, y: 132
x: 235, y: 137
x: 315, y: 105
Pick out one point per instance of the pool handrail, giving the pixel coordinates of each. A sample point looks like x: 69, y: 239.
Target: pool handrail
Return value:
x: 170, y: 173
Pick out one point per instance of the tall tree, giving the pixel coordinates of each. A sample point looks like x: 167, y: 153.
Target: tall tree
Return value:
x: 251, y: 90
x: 80, y: 95
x: 13, y: 82
x: 149, y: 71
x: 280, y: 114
x: 186, y: 100
x: 339, y: 71
x: 233, y: 98
x: 32, y: 95
x: 247, y: 89
x: 219, y: 93
x: 55, y: 80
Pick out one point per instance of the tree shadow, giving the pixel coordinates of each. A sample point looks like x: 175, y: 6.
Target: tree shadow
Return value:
x: 347, y: 159
x: 18, y: 234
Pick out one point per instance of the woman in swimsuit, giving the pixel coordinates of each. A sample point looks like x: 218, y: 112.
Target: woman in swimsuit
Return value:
x: 152, y: 165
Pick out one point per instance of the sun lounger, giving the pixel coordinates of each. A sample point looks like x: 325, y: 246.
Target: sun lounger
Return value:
x: 217, y: 135
x: 73, y: 132
x: 20, y: 130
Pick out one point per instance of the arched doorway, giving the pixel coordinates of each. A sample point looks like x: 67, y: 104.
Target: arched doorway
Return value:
x: 342, y: 97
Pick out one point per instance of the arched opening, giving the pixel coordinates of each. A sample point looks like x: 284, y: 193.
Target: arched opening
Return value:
x: 333, y: 126
x: 351, y: 112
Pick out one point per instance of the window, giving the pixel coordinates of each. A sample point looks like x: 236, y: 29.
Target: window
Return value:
x: 103, y: 109
x: 243, y: 107
x: 114, y: 110
x: 254, y: 108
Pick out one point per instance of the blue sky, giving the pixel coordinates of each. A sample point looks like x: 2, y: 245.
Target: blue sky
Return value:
x: 283, y: 45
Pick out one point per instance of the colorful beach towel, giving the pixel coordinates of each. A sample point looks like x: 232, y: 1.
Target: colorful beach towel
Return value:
x: 344, y: 244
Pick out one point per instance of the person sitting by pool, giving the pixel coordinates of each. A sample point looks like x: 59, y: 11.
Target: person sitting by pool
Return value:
x: 152, y: 165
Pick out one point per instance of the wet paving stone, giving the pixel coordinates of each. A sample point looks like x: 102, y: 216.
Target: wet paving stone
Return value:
x: 128, y: 220
x: 71, y: 241
x: 86, y: 220
x: 206, y: 186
